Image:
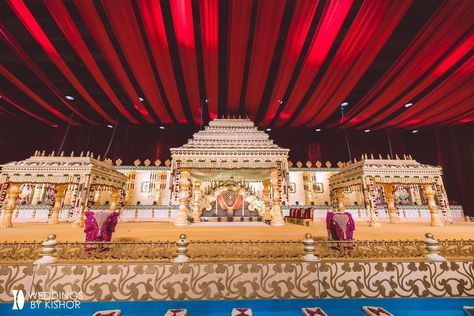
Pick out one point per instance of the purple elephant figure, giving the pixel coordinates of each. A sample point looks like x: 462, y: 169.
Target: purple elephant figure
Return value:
x: 100, y: 225
x: 340, y: 226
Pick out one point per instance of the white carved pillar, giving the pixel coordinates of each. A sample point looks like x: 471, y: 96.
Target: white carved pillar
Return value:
x: 69, y: 194
x: 372, y: 191
x: 429, y: 193
x: 182, y: 218
x: 114, y: 199
x: 10, y: 206
x: 197, y: 194
x: 58, y: 198
x: 308, y: 188
x: 129, y: 187
x: 277, y: 217
x: 97, y: 195
x: 392, y: 210
x: 267, y: 216
x: 158, y: 190
x: 340, y: 200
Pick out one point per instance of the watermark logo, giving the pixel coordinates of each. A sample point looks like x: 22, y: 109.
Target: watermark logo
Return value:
x: 18, y: 300
x: 46, y: 300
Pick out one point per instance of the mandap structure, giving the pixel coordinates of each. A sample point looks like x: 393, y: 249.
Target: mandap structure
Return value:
x: 56, y: 188
x: 230, y: 169
x: 380, y: 180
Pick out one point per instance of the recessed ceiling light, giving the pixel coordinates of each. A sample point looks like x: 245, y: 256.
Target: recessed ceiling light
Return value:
x: 269, y: 129
x: 318, y: 130
x: 110, y: 126
x: 367, y: 131
x: 141, y: 99
x: 70, y: 98
x: 344, y: 103
x: 408, y: 105
x: 162, y: 127
x: 414, y: 131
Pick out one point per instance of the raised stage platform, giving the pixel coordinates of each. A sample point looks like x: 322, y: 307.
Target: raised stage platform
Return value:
x: 167, y: 231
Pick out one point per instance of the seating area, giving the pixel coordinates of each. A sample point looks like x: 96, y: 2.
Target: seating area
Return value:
x: 300, y: 216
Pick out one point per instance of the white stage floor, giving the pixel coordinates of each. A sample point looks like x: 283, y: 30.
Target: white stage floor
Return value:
x: 207, y: 224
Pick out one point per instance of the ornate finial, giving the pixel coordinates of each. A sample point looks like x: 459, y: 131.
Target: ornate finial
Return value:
x: 355, y: 159
x: 82, y: 154
x: 410, y: 157
x: 147, y: 162
x: 290, y: 163
x: 92, y: 155
x: 362, y: 157
x: 328, y: 164
x: 309, y: 164
x: 52, y: 153
x: 299, y: 164
x: 62, y: 153
x: 167, y: 162
x: 43, y: 153
x: 429, y: 236
x: 308, y: 236
x: 118, y: 162
x: 388, y: 156
x: 52, y: 237
x: 72, y: 153
x: 396, y: 157
x: 371, y: 156
x: 157, y: 162
x: 98, y: 157
x: 182, y: 236
x: 137, y: 162
x: 87, y: 154
x: 318, y: 164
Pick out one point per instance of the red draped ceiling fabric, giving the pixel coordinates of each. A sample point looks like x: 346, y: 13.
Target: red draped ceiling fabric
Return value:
x: 10, y: 41
x: 334, y: 14
x: 182, y: 14
x: 25, y: 16
x: 128, y: 33
x: 152, y: 17
x: 370, y: 30
x: 209, y: 15
x: 240, y: 13
x: 96, y: 29
x: 415, y: 64
x: 267, y: 25
x: 7, y: 74
x: 63, y: 20
x: 300, y: 24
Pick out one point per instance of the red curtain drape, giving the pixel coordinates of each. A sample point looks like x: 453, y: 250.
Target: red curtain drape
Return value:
x: 240, y: 13
x: 30, y: 23
x: 182, y: 15
x: 71, y: 33
x: 334, y: 14
x: 127, y: 31
x: 300, y: 24
x: 152, y: 19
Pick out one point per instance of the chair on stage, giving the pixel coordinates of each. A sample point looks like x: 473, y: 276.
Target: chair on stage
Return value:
x: 340, y: 226
x: 100, y: 225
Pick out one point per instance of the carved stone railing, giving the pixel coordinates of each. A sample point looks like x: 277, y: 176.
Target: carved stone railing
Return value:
x: 238, y: 250
x: 218, y: 250
x: 116, y: 251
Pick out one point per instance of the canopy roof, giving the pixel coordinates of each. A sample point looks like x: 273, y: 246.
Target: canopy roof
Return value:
x: 62, y: 170
x: 230, y: 144
x: 397, y: 171
x: 281, y: 62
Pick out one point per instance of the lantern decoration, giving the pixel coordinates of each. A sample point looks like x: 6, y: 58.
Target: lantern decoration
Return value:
x: 299, y: 164
x: 137, y: 162
x: 309, y: 164
x: 328, y: 164
x: 118, y: 162
x: 157, y: 162
x: 147, y: 162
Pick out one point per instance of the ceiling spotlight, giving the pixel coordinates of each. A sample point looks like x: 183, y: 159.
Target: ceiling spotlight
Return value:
x: 70, y: 98
x: 414, y: 131
x: 318, y: 130
x: 110, y: 126
x: 141, y: 99
x: 408, y: 105
x: 344, y: 103
x: 367, y: 131
x: 269, y: 129
x: 55, y: 125
x: 162, y: 127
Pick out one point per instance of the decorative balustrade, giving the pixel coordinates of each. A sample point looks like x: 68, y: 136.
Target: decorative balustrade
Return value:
x: 238, y: 250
